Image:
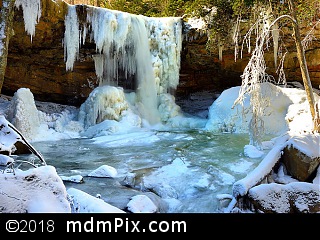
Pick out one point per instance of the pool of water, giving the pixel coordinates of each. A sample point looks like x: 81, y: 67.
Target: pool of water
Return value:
x: 187, y: 169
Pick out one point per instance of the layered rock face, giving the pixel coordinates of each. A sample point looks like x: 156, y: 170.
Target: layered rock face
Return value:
x: 38, y: 62
x: 201, y: 69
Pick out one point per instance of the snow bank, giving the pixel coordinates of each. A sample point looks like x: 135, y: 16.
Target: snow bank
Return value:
x: 287, y: 109
x: 307, y: 144
x: 34, y: 190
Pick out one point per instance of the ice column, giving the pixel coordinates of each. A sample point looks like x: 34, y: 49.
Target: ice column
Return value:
x: 165, y: 36
x: 23, y: 113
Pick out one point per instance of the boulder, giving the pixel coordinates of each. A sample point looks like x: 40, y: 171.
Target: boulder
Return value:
x: 295, y: 197
x: 299, y: 165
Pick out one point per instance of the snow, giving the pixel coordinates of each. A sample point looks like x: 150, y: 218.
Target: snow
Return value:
x: 74, y: 178
x: 282, y: 177
x: 104, y: 171
x: 34, y: 190
x: 141, y: 204
x: 307, y: 144
x: 8, y: 137
x: 287, y: 194
x: 223, y: 116
x: 199, y: 24
x: 241, y: 187
x: 5, y: 160
x: 252, y: 152
x: 85, y: 203
x: 316, y: 180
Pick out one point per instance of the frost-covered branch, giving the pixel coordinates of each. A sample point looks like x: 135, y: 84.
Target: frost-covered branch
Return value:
x: 254, y: 74
x: 280, y: 71
x: 10, y: 135
x: 31, y: 148
x: 306, y: 42
x: 26, y: 162
x: 235, y: 37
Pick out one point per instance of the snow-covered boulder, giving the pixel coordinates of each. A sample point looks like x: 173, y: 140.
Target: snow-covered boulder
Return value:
x: 295, y: 197
x: 37, y: 190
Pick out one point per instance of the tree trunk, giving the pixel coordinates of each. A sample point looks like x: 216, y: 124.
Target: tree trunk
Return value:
x: 6, y: 16
x: 304, y: 69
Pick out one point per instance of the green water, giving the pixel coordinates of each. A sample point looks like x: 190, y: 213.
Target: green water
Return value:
x: 210, y: 164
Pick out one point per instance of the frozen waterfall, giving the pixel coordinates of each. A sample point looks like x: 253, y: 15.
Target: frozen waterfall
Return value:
x: 146, y: 48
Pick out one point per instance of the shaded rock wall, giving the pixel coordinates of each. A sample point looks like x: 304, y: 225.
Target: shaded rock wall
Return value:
x: 202, y: 69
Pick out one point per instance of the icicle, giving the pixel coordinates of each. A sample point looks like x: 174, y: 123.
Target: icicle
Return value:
x: 111, y: 34
x: 84, y: 34
x: 71, y: 37
x: 235, y: 37
x: 31, y: 14
x: 98, y: 64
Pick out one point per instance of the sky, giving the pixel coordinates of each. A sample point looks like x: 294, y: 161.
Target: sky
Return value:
x: 41, y: 189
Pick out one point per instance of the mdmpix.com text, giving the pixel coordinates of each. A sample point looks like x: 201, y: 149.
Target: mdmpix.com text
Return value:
x: 125, y: 225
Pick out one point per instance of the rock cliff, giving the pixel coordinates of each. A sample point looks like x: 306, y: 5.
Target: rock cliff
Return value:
x: 38, y: 63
